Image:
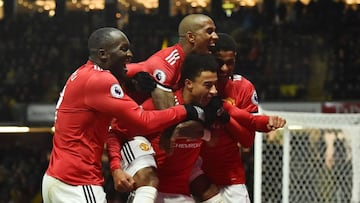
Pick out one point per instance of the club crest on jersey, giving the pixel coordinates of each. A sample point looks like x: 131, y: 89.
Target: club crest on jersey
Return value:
x: 254, y: 98
x: 230, y: 101
x: 145, y: 147
x: 116, y: 91
x: 159, y: 75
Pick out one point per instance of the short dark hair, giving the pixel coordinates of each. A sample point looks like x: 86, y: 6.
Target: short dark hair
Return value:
x: 101, y: 38
x: 195, y: 63
x: 225, y: 43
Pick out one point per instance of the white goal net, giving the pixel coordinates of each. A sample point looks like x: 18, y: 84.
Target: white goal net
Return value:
x: 314, y: 159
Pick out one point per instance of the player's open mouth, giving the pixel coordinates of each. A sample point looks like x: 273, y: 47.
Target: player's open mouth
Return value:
x: 211, y: 49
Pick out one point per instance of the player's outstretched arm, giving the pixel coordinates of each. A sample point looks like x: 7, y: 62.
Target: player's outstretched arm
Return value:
x: 276, y: 122
x: 260, y: 123
x: 240, y: 133
x: 216, y: 116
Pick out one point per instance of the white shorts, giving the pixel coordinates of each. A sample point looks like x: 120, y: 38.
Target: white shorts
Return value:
x: 56, y: 191
x: 235, y: 194
x: 173, y: 198
x: 137, y: 154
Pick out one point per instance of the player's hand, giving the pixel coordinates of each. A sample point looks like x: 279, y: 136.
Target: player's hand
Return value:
x: 144, y: 82
x: 194, y: 112
x: 123, y: 182
x: 214, y: 111
x: 276, y: 122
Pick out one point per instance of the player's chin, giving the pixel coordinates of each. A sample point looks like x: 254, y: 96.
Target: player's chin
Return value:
x: 206, y: 101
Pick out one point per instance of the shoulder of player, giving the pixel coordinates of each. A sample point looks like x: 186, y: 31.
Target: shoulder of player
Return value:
x: 96, y: 81
x: 100, y: 76
x: 170, y: 54
x: 239, y: 79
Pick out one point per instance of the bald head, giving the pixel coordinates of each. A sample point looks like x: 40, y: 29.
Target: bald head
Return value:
x: 197, y: 33
x: 104, y: 38
x: 192, y: 23
x: 110, y: 49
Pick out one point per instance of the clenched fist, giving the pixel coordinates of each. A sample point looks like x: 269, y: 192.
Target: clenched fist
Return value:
x: 276, y: 122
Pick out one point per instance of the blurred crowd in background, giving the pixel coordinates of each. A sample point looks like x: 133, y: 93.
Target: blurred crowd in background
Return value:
x: 290, y: 53
x: 21, y: 172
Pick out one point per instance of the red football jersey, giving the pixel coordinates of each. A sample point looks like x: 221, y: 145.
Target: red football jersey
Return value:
x: 173, y: 170
x: 241, y: 93
x: 90, y: 99
x: 222, y: 162
x: 165, y: 65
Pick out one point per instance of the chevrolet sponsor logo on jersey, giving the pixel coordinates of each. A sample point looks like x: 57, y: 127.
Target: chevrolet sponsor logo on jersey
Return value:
x: 188, y: 145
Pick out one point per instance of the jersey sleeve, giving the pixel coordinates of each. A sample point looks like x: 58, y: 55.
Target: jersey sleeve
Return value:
x: 240, y: 133
x: 117, y: 134
x: 104, y: 94
x: 134, y: 68
x: 251, y: 104
x: 246, y: 96
x: 253, y: 122
x: 261, y: 122
x: 163, y: 72
x: 113, y: 146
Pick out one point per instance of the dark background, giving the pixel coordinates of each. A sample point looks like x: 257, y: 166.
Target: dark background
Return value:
x: 290, y: 51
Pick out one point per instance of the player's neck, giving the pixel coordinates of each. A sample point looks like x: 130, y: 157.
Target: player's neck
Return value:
x: 187, y: 97
x: 187, y: 48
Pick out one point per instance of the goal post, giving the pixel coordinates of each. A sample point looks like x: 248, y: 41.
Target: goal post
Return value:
x: 314, y: 159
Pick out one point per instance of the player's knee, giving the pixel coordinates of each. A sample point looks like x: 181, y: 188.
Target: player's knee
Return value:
x: 202, y: 188
x: 146, y: 177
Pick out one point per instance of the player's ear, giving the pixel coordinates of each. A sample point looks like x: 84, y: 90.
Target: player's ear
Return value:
x: 190, y: 37
x: 188, y: 84
x: 101, y: 53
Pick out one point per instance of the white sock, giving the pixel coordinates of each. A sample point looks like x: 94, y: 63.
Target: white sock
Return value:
x: 145, y: 194
x: 216, y: 199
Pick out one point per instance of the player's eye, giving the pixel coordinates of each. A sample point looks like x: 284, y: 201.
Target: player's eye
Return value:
x: 230, y: 63
x: 209, y: 85
x: 124, y: 48
x: 210, y: 31
x: 220, y: 62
